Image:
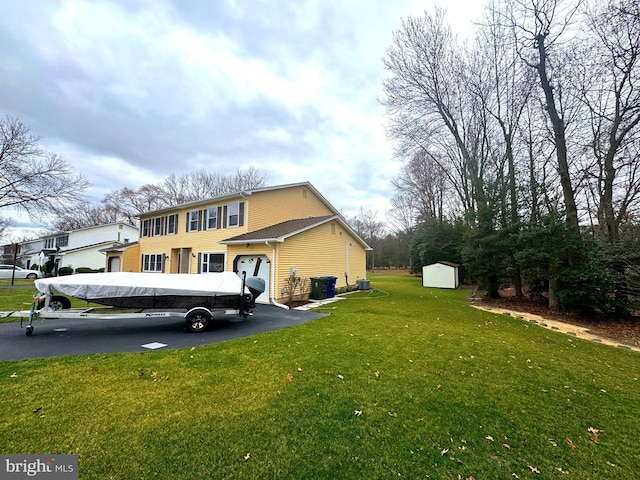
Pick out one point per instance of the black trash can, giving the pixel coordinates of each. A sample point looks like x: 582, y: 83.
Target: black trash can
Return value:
x: 331, y: 286
x: 319, y: 288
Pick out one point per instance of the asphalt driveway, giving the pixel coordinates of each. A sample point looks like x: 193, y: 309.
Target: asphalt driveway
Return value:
x: 81, y: 336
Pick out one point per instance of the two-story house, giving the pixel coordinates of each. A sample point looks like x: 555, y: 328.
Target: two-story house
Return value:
x: 277, y: 233
x: 77, y: 248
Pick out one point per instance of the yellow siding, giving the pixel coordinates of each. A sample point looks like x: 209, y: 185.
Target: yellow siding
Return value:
x: 275, y: 206
x: 319, y: 252
x: 130, y: 261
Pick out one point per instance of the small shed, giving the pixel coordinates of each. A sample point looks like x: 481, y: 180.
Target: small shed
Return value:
x: 440, y: 275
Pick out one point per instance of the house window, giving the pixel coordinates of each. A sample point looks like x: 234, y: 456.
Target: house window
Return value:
x: 152, y: 262
x: 62, y: 241
x: 193, y: 224
x: 172, y: 223
x: 145, y: 228
x: 49, y: 242
x: 233, y: 214
x: 157, y: 226
x: 211, y: 262
x: 212, y: 218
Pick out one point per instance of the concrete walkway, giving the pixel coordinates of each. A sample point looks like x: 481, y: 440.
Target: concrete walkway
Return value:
x: 569, y: 329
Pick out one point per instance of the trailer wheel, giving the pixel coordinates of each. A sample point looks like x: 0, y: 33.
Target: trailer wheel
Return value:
x: 57, y: 302
x: 198, y: 320
x: 29, y: 331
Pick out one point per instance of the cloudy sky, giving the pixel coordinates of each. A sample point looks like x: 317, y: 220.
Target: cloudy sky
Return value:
x: 131, y: 91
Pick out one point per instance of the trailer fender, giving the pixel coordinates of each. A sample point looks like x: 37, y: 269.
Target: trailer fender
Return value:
x: 198, y: 319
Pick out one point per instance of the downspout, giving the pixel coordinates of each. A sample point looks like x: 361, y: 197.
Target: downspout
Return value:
x: 272, y: 281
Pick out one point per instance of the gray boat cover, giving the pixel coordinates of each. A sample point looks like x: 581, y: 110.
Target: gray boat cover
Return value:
x: 129, y: 284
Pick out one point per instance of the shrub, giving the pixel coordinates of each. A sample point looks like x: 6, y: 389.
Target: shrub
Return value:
x: 63, y: 271
x: 84, y: 270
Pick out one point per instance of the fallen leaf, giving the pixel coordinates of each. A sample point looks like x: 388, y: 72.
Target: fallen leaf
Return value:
x: 329, y: 372
x: 572, y: 445
x: 393, y: 414
x: 444, y: 452
x: 299, y: 369
x: 377, y: 373
x: 13, y: 375
x: 141, y: 372
x: 507, y: 446
x: 594, y: 435
x: 37, y: 410
x: 438, y: 386
x: 94, y: 368
x: 340, y: 377
x: 438, y: 374
x: 463, y: 372
x: 410, y: 361
x: 247, y: 457
x: 489, y: 437
x: 154, y: 374
x: 358, y: 413
x: 553, y: 442
x: 534, y: 470
x: 289, y: 377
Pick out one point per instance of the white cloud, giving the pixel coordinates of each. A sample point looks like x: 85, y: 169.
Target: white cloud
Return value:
x: 131, y: 92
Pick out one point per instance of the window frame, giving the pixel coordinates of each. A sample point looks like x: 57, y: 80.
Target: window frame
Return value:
x: 145, y: 228
x: 151, y: 262
x: 193, y: 216
x: 210, y: 211
x: 156, y: 225
x: 230, y: 215
x: 204, y: 259
x: 173, y: 216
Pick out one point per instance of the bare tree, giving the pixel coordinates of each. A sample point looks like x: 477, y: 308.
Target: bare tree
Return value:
x: 30, y: 178
x: 84, y: 215
x: 608, y: 83
x: 540, y: 25
x: 370, y: 229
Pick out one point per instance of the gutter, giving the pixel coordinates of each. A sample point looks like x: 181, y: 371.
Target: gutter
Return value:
x: 273, y: 279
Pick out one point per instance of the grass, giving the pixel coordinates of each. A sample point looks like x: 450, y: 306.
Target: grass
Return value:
x: 413, y: 383
x: 20, y: 295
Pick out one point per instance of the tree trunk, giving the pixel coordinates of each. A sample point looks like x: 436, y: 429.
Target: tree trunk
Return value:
x: 558, y: 125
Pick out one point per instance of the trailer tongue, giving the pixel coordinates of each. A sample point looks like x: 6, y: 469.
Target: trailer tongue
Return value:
x: 199, y: 295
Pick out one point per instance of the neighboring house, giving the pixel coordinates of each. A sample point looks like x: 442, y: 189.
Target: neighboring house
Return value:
x: 77, y: 248
x: 273, y: 232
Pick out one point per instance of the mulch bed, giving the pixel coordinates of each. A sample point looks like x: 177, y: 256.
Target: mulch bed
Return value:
x: 623, y: 330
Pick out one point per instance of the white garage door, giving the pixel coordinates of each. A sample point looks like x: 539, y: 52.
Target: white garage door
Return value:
x: 249, y: 264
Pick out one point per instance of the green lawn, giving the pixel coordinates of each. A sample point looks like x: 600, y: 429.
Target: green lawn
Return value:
x: 408, y: 382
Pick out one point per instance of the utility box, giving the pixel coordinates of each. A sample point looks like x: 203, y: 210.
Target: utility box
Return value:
x: 363, y: 284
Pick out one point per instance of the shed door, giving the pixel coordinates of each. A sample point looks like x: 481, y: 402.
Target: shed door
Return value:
x: 258, y: 266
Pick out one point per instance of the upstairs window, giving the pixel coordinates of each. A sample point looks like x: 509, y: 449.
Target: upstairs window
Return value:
x: 157, y: 226
x: 193, y: 221
x: 62, y: 241
x: 235, y: 214
x: 172, y: 224
x: 145, y: 228
x: 212, y: 218
x: 49, y: 243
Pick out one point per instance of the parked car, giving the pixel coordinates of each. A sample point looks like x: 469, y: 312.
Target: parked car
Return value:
x: 6, y: 271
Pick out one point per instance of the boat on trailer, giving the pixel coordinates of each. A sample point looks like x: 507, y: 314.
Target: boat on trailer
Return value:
x: 196, y: 297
